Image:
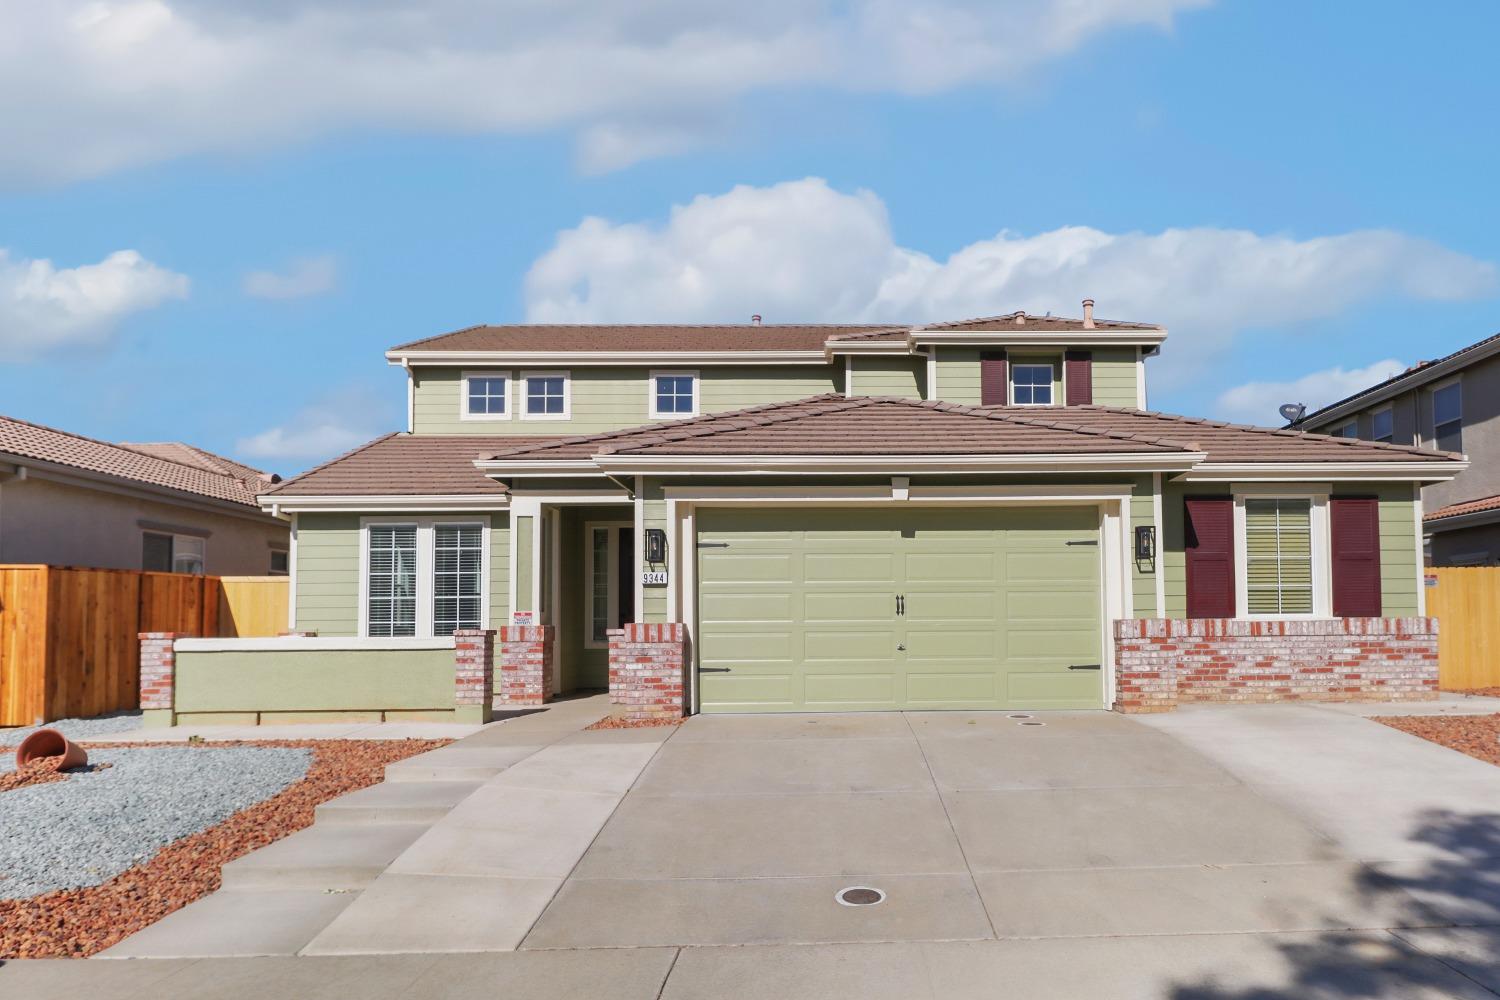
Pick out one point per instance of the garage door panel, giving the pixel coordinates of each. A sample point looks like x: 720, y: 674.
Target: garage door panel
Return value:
x: 867, y: 646
x: 852, y: 607
x: 979, y: 605
x: 729, y: 648
x: 1048, y: 689
x: 1057, y: 563
x: 750, y: 567
x: 1047, y: 601
x: 828, y: 690
x: 749, y: 692
x: 944, y: 567
x: 949, y: 644
x: 747, y: 607
x: 870, y: 568
x: 951, y: 689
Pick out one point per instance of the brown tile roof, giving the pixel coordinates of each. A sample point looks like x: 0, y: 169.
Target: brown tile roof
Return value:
x: 405, y: 465
x: 873, y: 425
x: 1410, y: 373
x: 646, y: 338
x: 1009, y: 323
x: 173, y: 466
x: 1466, y: 507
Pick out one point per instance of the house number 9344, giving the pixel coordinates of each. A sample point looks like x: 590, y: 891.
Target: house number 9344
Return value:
x: 654, y: 578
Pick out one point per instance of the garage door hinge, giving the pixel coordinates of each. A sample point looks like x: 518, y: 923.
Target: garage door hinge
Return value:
x: 713, y: 545
x: 1085, y: 666
x: 1091, y: 541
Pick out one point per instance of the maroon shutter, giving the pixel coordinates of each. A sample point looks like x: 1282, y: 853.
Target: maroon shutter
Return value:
x: 994, y: 389
x: 1078, y: 368
x: 1208, y: 537
x: 1354, y: 527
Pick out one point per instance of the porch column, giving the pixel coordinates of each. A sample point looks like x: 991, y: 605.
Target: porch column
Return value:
x: 473, y: 674
x: 647, y: 663
x: 158, y: 678
x: 526, y: 665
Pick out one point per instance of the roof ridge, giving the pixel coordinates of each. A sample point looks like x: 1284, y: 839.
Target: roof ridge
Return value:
x: 332, y: 461
x: 1282, y: 432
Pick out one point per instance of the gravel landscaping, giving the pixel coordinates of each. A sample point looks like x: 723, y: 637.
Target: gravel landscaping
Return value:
x: 97, y: 728
x: 91, y: 859
x: 1475, y: 735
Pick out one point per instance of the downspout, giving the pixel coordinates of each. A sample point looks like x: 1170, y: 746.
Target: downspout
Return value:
x: 411, y: 399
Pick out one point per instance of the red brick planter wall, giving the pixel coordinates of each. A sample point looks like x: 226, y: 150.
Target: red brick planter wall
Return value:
x: 474, y: 673
x: 1160, y: 663
x: 526, y: 663
x: 158, y: 669
x: 647, y: 664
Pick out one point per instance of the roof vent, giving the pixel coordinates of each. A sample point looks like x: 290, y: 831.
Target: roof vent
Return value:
x: 1088, y: 314
x: 755, y: 320
x: 1020, y: 319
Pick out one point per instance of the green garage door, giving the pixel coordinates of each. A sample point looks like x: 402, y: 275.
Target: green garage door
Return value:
x: 820, y: 610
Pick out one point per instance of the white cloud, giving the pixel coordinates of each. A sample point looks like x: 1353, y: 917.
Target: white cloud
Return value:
x: 45, y: 308
x: 329, y: 426
x: 1257, y: 402
x: 803, y: 251
x: 89, y: 86
x: 304, y: 277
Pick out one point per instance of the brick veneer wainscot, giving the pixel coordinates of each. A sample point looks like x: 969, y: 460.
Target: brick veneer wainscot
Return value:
x: 473, y: 674
x: 1163, y: 662
x: 526, y: 664
x: 158, y: 677
x: 646, y: 670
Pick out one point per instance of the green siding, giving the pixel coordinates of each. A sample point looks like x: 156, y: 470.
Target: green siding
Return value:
x: 879, y: 376
x: 1398, y: 542
x: 611, y: 398
x: 1142, y: 573
x: 344, y: 680
x: 1114, y: 372
x: 328, y: 573
x: 958, y: 375
x: 328, y: 570
x: 654, y: 515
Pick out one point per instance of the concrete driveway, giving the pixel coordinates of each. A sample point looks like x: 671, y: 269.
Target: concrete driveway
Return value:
x: 742, y: 830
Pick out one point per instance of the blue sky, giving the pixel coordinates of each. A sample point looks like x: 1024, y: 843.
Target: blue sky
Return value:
x: 241, y: 212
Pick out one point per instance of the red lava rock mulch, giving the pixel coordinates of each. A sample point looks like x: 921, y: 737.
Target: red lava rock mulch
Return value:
x: 40, y: 772
x: 1475, y: 735
x: 614, y: 722
x: 1489, y: 692
x: 76, y: 923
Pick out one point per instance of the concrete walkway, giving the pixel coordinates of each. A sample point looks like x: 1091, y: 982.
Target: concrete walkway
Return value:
x: 1234, y: 853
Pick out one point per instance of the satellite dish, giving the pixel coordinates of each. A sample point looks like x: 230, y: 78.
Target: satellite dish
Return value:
x: 1292, y: 412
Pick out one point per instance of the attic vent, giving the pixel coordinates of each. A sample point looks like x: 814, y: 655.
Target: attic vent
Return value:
x: 1020, y: 319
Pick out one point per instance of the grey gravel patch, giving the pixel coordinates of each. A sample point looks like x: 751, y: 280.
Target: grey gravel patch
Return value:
x: 89, y: 828
x: 96, y: 728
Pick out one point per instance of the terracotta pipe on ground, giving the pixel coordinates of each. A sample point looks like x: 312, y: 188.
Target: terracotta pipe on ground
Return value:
x: 50, y: 743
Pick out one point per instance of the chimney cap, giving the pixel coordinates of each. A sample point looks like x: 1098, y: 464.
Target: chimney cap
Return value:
x: 755, y: 320
x: 1088, y: 314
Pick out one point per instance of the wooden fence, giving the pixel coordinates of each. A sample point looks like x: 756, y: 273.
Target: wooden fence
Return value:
x: 68, y: 642
x: 1466, y: 602
x: 253, y: 605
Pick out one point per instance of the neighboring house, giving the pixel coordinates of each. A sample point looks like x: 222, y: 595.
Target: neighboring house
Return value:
x: 68, y: 500
x: 1452, y: 404
x: 843, y: 517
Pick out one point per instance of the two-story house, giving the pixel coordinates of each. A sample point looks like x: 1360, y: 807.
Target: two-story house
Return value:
x: 1452, y: 404
x: 842, y: 517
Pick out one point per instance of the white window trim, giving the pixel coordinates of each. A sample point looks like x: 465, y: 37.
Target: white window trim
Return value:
x: 522, y: 393
x: 1053, y: 384
x: 612, y: 594
x: 463, y: 395
x: 1386, y: 409
x: 425, y: 559
x: 1432, y: 405
x: 656, y: 373
x: 1322, y: 559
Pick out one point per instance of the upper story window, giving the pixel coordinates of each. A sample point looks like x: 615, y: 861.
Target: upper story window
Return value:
x: 1031, y: 384
x: 486, y: 396
x: 1447, y: 417
x: 170, y: 553
x: 1382, y: 427
x: 545, y: 396
x: 674, y: 394
x: 1349, y: 430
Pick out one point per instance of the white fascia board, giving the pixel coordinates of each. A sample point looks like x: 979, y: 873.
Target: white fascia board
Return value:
x: 843, y: 347
x: 654, y: 359
x: 858, y: 464
x: 1415, y: 380
x: 23, y: 467
x: 1021, y: 337
x: 501, y: 468
x: 295, y: 643
x: 1426, y: 472
x: 275, y: 503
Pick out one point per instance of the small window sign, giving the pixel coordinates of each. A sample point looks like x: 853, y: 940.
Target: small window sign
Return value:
x: 654, y: 578
x: 1430, y: 579
x: 523, y: 618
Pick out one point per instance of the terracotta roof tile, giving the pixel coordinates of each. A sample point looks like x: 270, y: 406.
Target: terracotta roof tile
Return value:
x: 405, y: 465
x: 1466, y: 507
x: 170, y: 465
x: 646, y: 338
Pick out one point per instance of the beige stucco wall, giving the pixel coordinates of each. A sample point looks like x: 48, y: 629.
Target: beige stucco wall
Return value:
x: 43, y: 521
